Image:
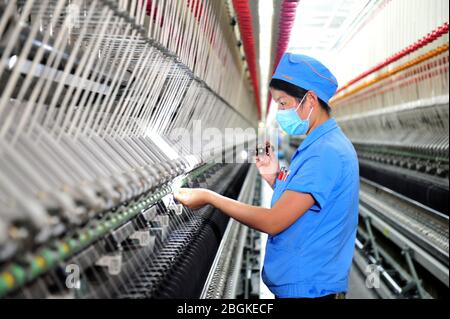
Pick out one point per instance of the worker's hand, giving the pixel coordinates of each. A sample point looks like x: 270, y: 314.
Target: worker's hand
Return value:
x: 193, y: 198
x: 268, y: 165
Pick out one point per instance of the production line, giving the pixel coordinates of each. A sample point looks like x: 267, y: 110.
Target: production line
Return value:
x: 107, y: 108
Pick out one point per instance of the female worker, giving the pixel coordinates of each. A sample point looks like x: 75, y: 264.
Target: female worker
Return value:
x: 313, y: 217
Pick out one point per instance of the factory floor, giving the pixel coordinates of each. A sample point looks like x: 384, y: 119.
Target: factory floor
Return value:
x: 357, y: 288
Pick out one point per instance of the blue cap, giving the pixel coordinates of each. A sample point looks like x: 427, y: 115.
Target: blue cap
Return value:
x: 307, y: 73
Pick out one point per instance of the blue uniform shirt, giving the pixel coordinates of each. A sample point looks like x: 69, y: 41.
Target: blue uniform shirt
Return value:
x: 313, y: 256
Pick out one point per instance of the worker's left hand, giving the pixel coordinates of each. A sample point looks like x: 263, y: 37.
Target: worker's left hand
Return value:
x: 193, y: 198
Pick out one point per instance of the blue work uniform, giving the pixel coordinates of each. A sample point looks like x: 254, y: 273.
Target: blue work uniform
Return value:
x: 313, y: 256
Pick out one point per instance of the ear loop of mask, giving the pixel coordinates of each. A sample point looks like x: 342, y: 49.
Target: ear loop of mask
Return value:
x: 301, y: 104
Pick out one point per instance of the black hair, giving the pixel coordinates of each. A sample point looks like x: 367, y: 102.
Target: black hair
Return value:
x: 296, y: 92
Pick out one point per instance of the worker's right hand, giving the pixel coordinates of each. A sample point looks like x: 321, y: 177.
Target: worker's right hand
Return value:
x: 194, y: 198
x: 268, y: 165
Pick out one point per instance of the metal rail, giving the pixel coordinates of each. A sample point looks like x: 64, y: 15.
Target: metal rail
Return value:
x: 420, y: 232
